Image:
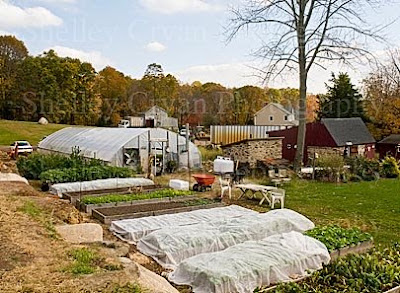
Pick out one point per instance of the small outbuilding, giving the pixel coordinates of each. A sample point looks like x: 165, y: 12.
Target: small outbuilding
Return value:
x: 389, y: 146
x: 124, y: 147
x: 343, y: 136
x: 252, y: 150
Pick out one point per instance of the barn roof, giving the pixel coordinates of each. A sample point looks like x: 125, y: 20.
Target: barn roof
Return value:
x: 391, y: 139
x: 345, y: 130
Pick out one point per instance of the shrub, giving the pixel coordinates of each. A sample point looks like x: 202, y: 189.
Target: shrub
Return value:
x: 32, y: 166
x: 364, y: 169
x: 210, y: 154
x: 331, y: 167
x: 390, y: 168
x: 84, y: 174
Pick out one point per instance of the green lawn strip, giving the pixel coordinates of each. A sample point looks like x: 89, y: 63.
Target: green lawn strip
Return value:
x: 372, y: 206
x: 33, y: 132
x: 114, y: 198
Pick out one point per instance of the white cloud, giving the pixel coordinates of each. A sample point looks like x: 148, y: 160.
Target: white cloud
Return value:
x: 15, y: 16
x: 229, y: 74
x: 94, y: 57
x: 155, y: 47
x: 177, y: 6
x: 58, y: 1
x: 5, y: 33
x: 241, y: 73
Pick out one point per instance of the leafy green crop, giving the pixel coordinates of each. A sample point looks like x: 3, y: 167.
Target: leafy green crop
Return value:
x: 112, y: 198
x: 377, y: 271
x: 335, y: 237
x: 84, y: 174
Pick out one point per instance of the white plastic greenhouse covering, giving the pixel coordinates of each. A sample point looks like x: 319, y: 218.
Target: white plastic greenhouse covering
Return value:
x: 244, y: 267
x: 171, y: 245
x: 112, y: 183
x: 108, y: 144
x: 132, y: 230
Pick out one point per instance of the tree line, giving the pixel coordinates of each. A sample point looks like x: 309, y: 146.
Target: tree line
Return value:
x: 67, y: 90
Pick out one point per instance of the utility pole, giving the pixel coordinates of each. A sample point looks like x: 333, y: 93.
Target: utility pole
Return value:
x: 187, y: 149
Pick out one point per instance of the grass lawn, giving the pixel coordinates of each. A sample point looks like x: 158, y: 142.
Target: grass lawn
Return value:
x: 33, y: 132
x: 372, y: 206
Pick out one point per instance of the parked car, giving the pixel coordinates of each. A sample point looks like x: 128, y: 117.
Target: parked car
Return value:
x: 21, y: 147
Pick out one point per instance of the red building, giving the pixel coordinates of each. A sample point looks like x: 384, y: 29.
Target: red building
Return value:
x: 330, y: 135
x: 389, y: 146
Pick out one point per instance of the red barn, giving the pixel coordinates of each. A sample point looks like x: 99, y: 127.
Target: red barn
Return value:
x: 329, y: 136
x: 389, y: 146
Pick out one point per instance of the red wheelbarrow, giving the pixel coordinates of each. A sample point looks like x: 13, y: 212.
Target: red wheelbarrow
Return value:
x: 204, y: 182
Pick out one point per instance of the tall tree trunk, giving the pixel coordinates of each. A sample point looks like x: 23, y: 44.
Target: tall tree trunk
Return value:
x: 301, y: 133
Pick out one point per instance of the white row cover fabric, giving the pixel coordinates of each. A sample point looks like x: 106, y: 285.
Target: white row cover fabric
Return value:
x: 132, y: 230
x: 12, y: 177
x: 112, y: 183
x: 171, y: 245
x: 108, y: 144
x: 244, y: 267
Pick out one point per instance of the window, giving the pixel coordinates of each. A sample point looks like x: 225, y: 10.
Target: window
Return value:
x: 271, y: 118
x: 286, y: 118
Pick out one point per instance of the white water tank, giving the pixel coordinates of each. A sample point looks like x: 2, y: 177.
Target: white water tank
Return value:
x: 223, y: 165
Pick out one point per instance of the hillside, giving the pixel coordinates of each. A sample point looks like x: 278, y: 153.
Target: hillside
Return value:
x: 22, y: 130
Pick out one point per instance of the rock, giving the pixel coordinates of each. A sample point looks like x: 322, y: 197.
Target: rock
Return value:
x: 153, y: 282
x: 43, y: 121
x: 139, y: 258
x: 81, y: 233
x: 121, y: 249
x: 124, y: 260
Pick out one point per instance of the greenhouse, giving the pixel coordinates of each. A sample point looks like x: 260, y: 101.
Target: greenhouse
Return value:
x: 125, y: 147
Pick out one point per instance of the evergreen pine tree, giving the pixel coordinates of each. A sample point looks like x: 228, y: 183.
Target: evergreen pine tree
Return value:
x: 342, y: 100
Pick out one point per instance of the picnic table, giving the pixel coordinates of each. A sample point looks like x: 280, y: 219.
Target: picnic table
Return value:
x: 254, y: 188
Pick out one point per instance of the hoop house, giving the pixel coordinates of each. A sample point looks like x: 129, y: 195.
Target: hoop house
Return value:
x: 123, y: 147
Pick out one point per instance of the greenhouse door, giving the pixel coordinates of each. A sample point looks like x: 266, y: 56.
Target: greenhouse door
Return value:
x: 131, y: 158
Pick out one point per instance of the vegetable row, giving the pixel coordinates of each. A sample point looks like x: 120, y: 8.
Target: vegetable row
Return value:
x: 376, y: 271
x: 115, y: 198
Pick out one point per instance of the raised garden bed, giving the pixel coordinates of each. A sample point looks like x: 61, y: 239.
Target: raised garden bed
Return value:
x: 376, y: 271
x: 88, y: 208
x: 74, y: 196
x: 340, y: 243
x: 360, y: 248
x: 339, y: 239
x: 106, y: 215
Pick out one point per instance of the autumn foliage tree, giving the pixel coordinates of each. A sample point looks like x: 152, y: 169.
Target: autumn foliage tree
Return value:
x: 382, y: 88
x: 12, y: 53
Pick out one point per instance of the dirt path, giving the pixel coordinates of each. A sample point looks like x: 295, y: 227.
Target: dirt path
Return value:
x: 32, y: 259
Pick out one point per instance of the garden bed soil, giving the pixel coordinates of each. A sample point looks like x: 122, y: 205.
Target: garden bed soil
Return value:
x: 106, y: 215
x: 74, y: 196
x: 88, y: 208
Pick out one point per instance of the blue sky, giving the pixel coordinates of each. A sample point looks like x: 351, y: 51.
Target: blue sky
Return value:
x: 185, y: 36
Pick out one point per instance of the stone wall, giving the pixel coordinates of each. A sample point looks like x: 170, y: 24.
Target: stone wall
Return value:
x: 251, y: 151
x: 321, y: 151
